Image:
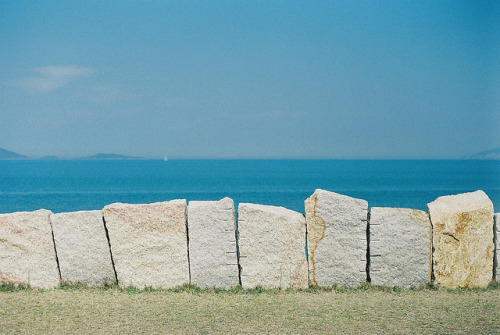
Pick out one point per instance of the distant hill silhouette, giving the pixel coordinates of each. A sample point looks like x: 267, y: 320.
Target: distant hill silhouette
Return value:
x: 488, y: 154
x: 49, y: 158
x: 6, y: 154
x: 110, y: 156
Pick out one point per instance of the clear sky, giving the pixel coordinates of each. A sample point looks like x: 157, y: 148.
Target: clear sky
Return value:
x: 250, y: 79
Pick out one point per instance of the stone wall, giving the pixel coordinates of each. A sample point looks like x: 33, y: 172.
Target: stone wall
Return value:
x: 400, y: 247
x: 212, y: 244
x: 462, y: 237
x: 336, y: 239
x: 496, y: 260
x: 27, y: 253
x: 336, y: 242
x: 272, y: 247
x: 149, y: 243
x: 82, y: 247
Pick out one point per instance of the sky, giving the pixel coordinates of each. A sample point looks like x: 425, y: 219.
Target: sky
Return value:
x: 250, y: 79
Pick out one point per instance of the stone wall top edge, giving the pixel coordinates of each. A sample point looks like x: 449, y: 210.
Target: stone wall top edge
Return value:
x: 462, y: 202
x: 92, y: 211
x: 478, y: 195
x: 121, y: 204
x: 396, y: 208
x: 268, y: 208
x: 40, y: 211
x: 440, y: 201
x: 320, y: 192
x: 202, y: 203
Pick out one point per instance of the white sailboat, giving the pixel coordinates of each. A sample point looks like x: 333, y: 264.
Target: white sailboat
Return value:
x: 165, y: 158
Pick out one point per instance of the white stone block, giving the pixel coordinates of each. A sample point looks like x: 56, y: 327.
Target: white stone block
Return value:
x: 149, y: 243
x: 400, y: 247
x: 82, y: 247
x: 336, y: 239
x: 27, y: 253
x: 212, y: 243
x: 497, y: 247
x: 272, y: 247
x: 462, y: 230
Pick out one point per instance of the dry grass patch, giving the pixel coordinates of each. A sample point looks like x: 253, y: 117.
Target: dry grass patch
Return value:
x: 74, y: 310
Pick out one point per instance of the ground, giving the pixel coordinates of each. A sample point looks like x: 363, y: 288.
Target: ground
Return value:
x: 368, y: 310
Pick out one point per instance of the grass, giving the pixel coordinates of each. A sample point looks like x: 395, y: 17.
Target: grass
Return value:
x: 75, y: 308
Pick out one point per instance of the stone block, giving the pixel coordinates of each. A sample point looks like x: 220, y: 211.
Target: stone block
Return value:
x: 212, y: 244
x: 462, y: 232
x: 497, y: 247
x: 400, y: 247
x: 27, y: 253
x: 272, y: 247
x: 149, y: 243
x: 82, y: 247
x: 336, y: 239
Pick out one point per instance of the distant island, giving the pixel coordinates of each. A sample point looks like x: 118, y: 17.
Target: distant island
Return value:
x: 6, y: 154
x: 110, y: 157
x: 493, y: 154
x: 489, y: 154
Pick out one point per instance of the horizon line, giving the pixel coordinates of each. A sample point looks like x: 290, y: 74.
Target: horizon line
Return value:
x: 241, y: 158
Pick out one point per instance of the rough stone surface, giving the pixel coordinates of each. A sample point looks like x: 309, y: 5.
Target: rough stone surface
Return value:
x: 82, y: 247
x: 272, y: 247
x: 497, y: 247
x: 462, y: 232
x: 336, y: 239
x: 27, y: 253
x: 149, y: 243
x: 400, y: 247
x: 212, y: 243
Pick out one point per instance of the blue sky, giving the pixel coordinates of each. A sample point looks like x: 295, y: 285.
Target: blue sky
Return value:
x: 250, y: 79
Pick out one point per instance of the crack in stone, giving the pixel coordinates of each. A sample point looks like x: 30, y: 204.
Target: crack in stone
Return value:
x: 451, y: 235
x: 55, y: 248
x: 187, y: 241
x: 237, y: 238
x: 314, y: 235
x: 110, y: 252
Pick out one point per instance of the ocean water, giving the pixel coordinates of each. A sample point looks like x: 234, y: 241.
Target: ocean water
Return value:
x: 71, y: 185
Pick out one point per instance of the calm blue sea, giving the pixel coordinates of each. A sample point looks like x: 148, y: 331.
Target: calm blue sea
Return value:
x: 82, y: 185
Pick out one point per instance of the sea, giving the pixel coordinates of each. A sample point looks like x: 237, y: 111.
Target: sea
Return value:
x: 73, y: 185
